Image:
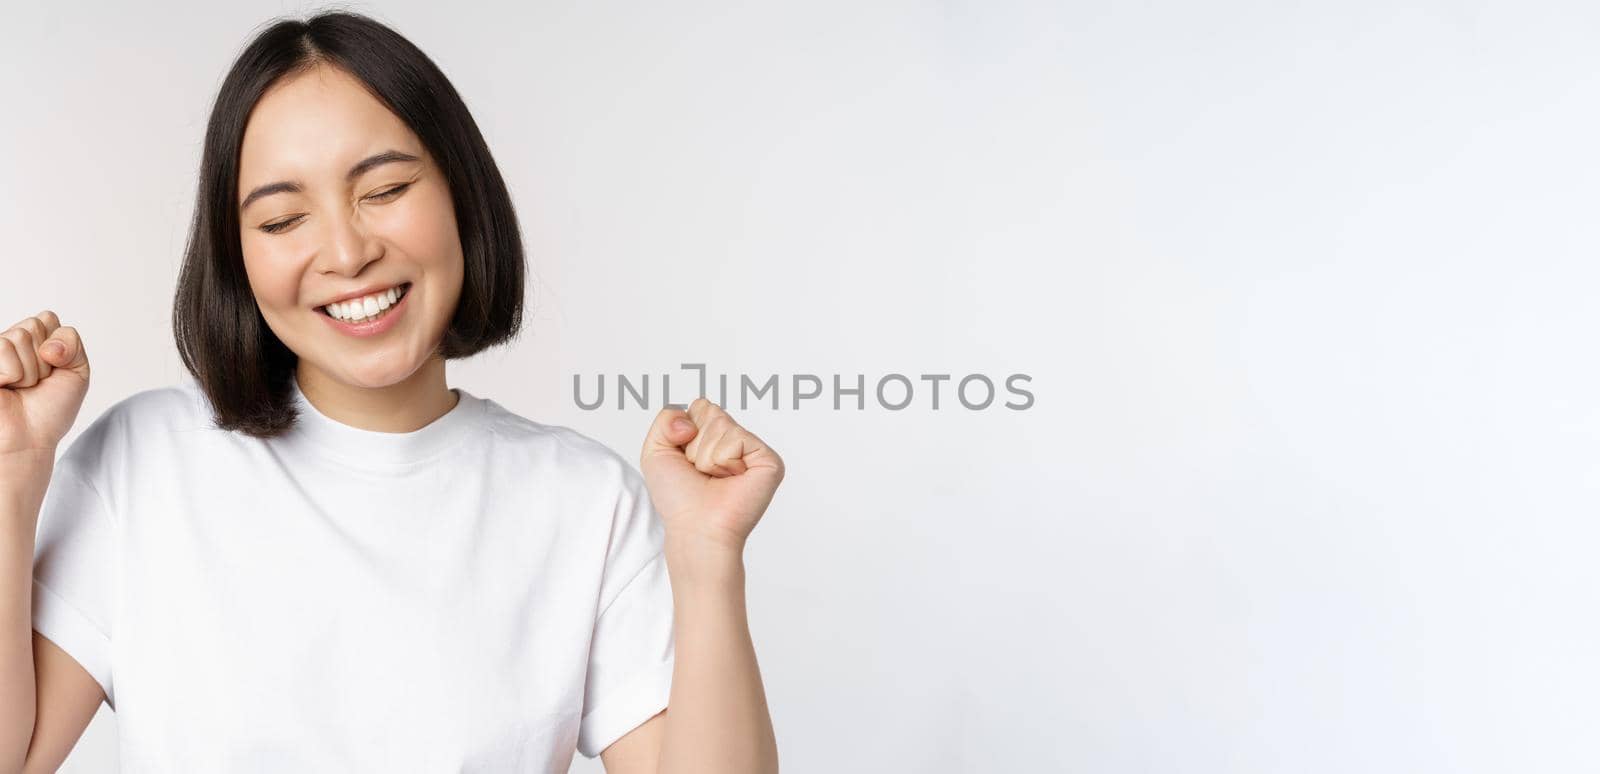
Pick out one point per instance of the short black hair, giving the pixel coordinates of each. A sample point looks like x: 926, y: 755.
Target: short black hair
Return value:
x: 240, y: 364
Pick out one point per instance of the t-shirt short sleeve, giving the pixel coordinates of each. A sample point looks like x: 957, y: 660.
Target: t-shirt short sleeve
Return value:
x: 631, y: 653
x: 74, y: 551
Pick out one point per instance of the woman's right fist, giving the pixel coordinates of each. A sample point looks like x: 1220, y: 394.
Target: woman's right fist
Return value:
x: 44, y: 374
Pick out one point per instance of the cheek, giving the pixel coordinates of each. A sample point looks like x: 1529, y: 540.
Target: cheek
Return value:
x: 426, y: 227
x: 272, y: 278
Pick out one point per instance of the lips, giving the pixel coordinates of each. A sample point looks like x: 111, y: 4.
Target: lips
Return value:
x: 371, y: 326
x: 370, y: 305
x: 362, y: 293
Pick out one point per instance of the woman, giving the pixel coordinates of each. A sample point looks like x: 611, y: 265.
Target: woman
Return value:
x: 316, y: 556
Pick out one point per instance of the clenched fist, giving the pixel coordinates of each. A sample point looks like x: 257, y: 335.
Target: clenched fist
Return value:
x: 44, y: 374
x: 709, y: 478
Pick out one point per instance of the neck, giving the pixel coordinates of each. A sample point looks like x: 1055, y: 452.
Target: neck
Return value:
x: 402, y: 407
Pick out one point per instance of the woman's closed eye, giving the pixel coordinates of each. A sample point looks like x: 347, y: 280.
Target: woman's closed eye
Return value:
x: 382, y: 196
x: 391, y: 193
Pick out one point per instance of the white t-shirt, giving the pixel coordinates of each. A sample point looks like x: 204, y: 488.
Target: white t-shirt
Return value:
x: 485, y: 594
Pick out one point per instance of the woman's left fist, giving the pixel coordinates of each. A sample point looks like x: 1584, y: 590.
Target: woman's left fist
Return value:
x: 708, y: 477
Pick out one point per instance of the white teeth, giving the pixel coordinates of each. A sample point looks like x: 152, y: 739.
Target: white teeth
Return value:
x: 360, y: 309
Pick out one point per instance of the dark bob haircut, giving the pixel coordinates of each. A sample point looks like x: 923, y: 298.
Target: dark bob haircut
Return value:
x: 240, y: 364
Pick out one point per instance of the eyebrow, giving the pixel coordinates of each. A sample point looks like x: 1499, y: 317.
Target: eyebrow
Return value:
x: 361, y: 168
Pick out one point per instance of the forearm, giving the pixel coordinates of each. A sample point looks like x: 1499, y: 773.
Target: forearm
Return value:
x: 717, y: 720
x: 19, y: 510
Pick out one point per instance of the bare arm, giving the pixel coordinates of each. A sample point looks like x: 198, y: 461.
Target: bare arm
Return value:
x: 718, y: 719
x: 48, y: 697
x: 68, y: 697
x: 20, y: 497
x: 711, y: 480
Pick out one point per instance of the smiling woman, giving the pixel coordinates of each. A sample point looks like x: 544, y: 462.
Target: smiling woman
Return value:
x: 341, y: 202
x: 317, y: 556
x: 340, y: 164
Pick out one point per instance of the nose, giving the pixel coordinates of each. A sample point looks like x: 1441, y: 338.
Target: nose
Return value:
x: 350, y: 246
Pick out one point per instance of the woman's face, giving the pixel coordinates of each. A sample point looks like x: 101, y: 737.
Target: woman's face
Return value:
x: 350, y: 219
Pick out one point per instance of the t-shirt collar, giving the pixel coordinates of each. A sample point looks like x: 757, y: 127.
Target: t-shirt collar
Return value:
x: 372, y: 447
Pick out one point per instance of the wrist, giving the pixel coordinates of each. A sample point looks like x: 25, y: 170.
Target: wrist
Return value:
x: 694, y: 560
x: 22, y: 471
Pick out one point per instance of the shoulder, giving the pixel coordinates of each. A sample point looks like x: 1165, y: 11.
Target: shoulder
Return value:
x: 573, y: 452
x: 179, y: 406
x: 176, y: 407
x: 144, y: 416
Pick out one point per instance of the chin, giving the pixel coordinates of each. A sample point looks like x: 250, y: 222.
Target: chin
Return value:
x: 381, y: 372
x: 376, y: 378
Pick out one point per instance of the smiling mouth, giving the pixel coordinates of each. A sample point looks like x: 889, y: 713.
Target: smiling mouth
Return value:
x: 367, y: 308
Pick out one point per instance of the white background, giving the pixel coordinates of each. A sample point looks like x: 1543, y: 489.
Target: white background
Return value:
x: 1310, y: 479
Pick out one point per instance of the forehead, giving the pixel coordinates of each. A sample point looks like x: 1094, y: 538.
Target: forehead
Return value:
x: 316, y: 124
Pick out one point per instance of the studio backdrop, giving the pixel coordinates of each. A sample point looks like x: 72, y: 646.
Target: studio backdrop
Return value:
x: 1199, y: 387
